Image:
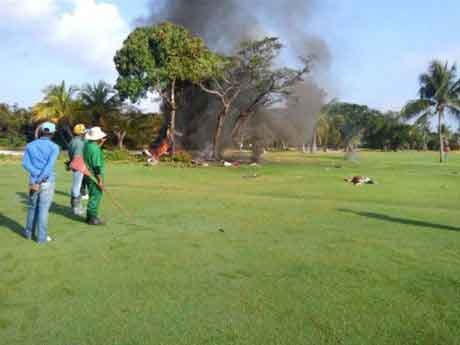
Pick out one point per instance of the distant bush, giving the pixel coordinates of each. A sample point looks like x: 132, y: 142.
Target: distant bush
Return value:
x: 9, y: 158
x: 182, y: 157
x: 179, y: 157
x: 13, y: 142
x: 118, y: 156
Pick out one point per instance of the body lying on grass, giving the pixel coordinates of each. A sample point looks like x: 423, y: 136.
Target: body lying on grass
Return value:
x: 360, y: 180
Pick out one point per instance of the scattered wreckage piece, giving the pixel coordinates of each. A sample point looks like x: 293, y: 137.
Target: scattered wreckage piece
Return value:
x: 360, y: 180
x: 154, y: 153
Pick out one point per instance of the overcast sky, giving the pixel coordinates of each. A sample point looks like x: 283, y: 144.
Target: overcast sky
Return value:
x: 379, y: 47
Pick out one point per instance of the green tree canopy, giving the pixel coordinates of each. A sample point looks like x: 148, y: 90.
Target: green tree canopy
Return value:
x: 161, y: 58
x: 268, y: 84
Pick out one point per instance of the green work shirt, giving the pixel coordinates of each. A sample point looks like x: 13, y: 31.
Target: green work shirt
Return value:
x: 76, y: 147
x: 94, y: 158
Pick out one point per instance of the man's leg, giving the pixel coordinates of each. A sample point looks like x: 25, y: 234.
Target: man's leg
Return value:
x: 77, y: 180
x: 75, y: 201
x: 95, y: 197
x: 84, y: 190
x: 44, y: 204
x: 32, y: 215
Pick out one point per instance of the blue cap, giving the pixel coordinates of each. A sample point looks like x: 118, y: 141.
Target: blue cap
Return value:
x: 48, y: 127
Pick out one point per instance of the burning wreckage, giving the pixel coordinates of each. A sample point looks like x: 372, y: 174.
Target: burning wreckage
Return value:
x: 250, y: 105
x: 267, y: 106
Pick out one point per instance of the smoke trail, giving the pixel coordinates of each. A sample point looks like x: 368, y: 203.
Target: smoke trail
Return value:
x: 292, y: 124
x: 224, y: 24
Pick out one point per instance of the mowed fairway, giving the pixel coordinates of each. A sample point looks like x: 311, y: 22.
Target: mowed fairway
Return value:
x: 295, y: 256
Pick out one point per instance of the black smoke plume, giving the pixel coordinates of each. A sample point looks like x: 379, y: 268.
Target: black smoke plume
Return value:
x: 224, y: 24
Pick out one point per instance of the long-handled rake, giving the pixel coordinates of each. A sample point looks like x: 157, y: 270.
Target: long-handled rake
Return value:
x: 123, y: 210
x: 78, y: 164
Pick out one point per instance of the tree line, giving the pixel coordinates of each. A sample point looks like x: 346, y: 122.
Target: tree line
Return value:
x: 194, y: 81
x: 347, y: 126
x: 95, y: 104
x: 340, y: 126
x: 169, y: 59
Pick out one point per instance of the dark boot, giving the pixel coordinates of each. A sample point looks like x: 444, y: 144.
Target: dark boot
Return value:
x: 83, y: 192
x: 91, y: 220
x: 76, y: 206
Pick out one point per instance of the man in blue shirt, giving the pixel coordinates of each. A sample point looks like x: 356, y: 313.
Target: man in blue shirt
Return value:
x: 39, y: 160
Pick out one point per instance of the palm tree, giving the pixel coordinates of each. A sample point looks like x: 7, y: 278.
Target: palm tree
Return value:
x: 58, y: 104
x: 322, y: 130
x: 439, y: 93
x: 324, y: 124
x: 99, y: 101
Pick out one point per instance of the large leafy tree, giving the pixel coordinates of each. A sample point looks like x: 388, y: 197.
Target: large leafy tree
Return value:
x: 227, y: 87
x: 268, y: 85
x: 352, y: 120
x: 388, y: 132
x: 162, y: 58
x: 251, y: 81
x: 99, y: 101
x: 439, y: 94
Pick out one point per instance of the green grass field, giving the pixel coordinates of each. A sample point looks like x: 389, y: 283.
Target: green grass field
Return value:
x: 295, y: 256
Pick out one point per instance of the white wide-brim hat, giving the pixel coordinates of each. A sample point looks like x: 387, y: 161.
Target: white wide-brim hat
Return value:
x: 94, y: 134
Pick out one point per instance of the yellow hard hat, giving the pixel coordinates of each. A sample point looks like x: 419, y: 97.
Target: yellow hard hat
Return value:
x: 79, y: 129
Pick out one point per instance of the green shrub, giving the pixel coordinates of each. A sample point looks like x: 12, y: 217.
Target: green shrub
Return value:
x: 9, y: 158
x: 118, y: 156
x: 13, y: 141
x: 182, y: 157
x: 179, y: 157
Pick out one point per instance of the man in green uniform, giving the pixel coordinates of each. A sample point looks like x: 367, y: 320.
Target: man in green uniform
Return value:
x: 76, y: 147
x: 94, y: 160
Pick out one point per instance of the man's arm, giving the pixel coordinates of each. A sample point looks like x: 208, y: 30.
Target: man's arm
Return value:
x: 96, y: 163
x: 28, y: 166
x: 48, y: 169
x: 100, y: 182
x: 98, y: 173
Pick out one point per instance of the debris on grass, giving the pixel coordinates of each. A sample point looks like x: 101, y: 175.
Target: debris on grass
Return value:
x: 251, y: 176
x: 360, y: 180
x: 200, y: 163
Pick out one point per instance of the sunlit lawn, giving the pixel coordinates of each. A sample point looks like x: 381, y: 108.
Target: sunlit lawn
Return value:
x: 292, y: 256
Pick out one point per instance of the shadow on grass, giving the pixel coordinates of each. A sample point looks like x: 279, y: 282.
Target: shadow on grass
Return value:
x: 55, y: 208
x: 12, y: 225
x: 60, y: 192
x: 405, y: 221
